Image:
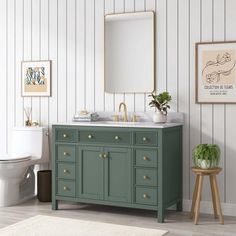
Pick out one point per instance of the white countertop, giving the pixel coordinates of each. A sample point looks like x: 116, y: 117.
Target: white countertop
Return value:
x: 144, y: 124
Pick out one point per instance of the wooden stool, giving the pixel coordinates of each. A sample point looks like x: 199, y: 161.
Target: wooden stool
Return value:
x: 198, y: 190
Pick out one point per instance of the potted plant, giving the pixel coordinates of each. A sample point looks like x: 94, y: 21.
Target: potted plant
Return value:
x: 160, y: 102
x: 206, y: 156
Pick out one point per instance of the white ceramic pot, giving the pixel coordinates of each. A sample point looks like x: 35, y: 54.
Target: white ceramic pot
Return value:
x: 159, y: 117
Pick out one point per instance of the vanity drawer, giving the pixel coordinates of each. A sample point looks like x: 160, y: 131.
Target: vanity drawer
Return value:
x: 146, y: 177
x: 143, y: 138
x: 66, y: 188
x: 66, y: 171
x: 145, y: 157
x: 111, y: 137
x: 65, y: 135
x: 147, y: 196
x: 66, y: 153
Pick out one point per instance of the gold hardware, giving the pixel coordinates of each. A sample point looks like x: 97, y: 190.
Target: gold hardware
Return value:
x: 105, y: 155
x: 144, y: 139
x: 89, y: 136
x: 116, y: 118
x: 116, y: 137
x: 65, y: 153
x: 100, y: 155
x: 135, y: 118
x: 145, y: 158
x: 145, y: 177
x: 66, y: 171
x: 65, y: 188
x: 145, y: 195
x: 125, y: 118
x: 65, y: 135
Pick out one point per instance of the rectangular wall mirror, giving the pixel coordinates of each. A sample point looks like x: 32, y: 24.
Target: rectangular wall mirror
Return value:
x: 129, y: 52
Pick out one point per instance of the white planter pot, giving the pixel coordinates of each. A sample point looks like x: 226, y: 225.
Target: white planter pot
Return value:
x: 158, y: 117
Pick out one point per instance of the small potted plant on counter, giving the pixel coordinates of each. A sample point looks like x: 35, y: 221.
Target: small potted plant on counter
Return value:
x: 160, y: 102
x: 206, y: 156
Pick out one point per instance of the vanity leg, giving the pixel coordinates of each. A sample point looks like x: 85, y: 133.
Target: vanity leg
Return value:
x: 161, y: 214
x: 54, y: 204
x: 179, y: 205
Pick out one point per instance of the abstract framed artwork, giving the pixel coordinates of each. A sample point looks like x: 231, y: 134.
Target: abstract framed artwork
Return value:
x: 216, y: 72
x: 36, y: 78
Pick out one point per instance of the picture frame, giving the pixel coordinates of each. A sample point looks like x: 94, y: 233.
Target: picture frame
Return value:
x: 215, y: 72
x: 36, y: 78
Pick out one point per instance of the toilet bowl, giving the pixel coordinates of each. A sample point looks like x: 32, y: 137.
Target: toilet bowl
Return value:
x: 30, y: 146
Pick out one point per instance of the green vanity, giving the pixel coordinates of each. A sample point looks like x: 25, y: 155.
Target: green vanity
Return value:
x: 136, y: 165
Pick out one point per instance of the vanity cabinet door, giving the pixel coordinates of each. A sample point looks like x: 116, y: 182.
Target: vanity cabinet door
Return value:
x: 90, y: 167
x: 118, y: 174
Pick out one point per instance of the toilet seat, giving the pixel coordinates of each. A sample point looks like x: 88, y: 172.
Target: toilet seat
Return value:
x: 13, y: 159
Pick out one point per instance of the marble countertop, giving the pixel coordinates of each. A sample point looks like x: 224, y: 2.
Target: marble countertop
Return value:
x: 142, y: 124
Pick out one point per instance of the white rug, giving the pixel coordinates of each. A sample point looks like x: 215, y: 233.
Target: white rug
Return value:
x: 56, y: 226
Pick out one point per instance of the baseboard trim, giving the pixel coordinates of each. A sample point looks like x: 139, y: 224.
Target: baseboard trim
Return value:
x: 228, y: 209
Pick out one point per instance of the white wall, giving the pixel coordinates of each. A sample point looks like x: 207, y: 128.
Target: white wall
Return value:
x: 71, y: 32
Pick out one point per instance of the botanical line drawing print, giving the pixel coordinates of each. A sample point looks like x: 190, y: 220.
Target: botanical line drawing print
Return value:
x: 222, y: 66
x: 35, y: 76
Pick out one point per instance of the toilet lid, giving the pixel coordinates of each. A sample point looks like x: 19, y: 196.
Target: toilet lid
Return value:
x: 6, y: 158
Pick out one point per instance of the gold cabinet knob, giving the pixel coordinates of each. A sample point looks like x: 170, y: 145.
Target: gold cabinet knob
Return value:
x: 65, y: 153
x: 145, y: 177
x: 65, y: 135
x: 65, y: 171
x: 89, y: 136
x: 100, y: 155
x: 145, y: 195
x: 145, y: 158
x: 144, y: 139
x: 105, y: 155
x: 65, y: 188
x: 116, y: 137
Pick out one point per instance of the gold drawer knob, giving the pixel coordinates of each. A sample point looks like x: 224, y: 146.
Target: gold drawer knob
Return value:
x: 89, y: 136
x: 145, y: 195
x: 66, y: 171
x: 117, y: 137
x: 65, y: 135
x: 145, y: 177
x: 65, y: 153
x: 100, y: 155
x: 65, y: 188
x: 145, y: 158
x: 144, y: 139
x: 105, y: 155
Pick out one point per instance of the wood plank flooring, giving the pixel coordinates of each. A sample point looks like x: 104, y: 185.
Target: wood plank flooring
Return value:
x: 177, y: 223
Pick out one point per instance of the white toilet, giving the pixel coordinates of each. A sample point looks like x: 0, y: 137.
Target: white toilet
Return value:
x: 29, y: 146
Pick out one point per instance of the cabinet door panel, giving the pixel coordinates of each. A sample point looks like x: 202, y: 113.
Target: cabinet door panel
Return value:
x: 90, y: 173
x: 118, y: 174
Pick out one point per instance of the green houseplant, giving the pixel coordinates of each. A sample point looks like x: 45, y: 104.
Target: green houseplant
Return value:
x: 206, y: 156
x: 160, y: 102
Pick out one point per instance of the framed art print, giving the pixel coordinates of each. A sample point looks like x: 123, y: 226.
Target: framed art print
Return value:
x: 216, y: 72
x: 36, y: 78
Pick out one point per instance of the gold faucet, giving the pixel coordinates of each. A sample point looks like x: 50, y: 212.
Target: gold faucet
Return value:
x: 125, y: 118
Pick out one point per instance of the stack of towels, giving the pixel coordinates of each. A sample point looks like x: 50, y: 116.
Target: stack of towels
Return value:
x: 85, y: 116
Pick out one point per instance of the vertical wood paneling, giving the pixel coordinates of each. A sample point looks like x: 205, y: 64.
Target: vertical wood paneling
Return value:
x: 206, y: 114
x: 27, y: 49
x: 109, y: 98
x: 70, y: 54
x: 3, y: 67
x: 70, y: 33
x: 183, y: 88
x: 44, y: 54
x: 10, y: 70
x: 80, y: 54
x: 53, y: 55
x: 194, y: 112
x: 230, y: 158
x: 219, y: 110
x: 35, y: 37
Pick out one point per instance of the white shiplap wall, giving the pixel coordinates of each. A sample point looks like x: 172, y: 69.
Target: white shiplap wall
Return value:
x: 71, y: 34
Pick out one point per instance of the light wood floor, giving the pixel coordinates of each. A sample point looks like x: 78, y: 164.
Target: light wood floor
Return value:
x: 177, y: 223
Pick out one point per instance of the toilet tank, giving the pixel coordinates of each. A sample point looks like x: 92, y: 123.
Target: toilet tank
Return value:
x: 31, y: 141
